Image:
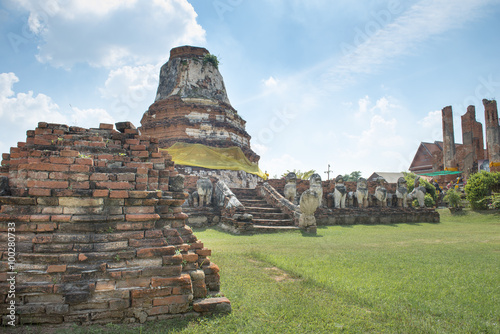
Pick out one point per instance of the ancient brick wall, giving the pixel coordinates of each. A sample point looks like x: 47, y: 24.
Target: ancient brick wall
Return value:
x: 100, y: 236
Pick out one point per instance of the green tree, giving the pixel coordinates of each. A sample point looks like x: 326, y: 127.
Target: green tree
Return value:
x: 353, y: 177
x: 479, y: 186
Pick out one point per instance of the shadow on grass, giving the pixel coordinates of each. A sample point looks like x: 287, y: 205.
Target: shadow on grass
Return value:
x: 174, y: 325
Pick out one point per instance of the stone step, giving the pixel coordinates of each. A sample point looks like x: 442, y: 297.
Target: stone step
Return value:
x: 271, y: 216
x: 273, y: 222
x: 269, y: 229
x: 262, y: 209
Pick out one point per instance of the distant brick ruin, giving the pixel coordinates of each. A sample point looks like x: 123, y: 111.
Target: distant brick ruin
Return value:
x: 99, y: 232
x: 492, y: 134
x: 468, y: 157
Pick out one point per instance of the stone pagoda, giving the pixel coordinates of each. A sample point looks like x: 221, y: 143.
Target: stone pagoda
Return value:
x: 192, y: 107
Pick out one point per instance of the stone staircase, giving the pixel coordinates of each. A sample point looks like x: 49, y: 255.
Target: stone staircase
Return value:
x: 266, y: 218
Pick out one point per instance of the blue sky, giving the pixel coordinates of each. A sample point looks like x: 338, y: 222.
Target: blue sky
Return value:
x: 354, y: 84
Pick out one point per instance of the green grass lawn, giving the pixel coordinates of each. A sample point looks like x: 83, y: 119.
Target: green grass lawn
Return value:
x: 404, y: 278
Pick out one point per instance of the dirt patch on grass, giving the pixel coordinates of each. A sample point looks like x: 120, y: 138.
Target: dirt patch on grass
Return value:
x: 277, y: 274
x: 280, y: 275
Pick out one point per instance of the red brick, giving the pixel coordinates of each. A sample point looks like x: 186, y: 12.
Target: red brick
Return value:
x: 140, y: 154
x: 38, y: 175
x: 105, y: 285
x: 42, y: 239
x: 204, y: 252
x: 150, y: 293
x: 142, y: 170
x: 147, y: 242
x: 47, y: 184
x: 179, y: 299
x: 40, y: 141
x: 154, y: 234
x: 69, y: 153
x: 97, y: 144
x: 60, y: 218
x: 79, y: 168
x: 61, y: 160
x: 138, y: 147
x: 128, y: 226
x: 39, y: 218
x: 114, y: 185
x: 58, y: 176
x: 46, y: 227
x: 100, y: 193
x: 155, y: 251
x: 190, y: 257
x: 39, y: 192
x: 80, y: 185
x: 132, y: 141
x: 99, y: 177
x: 183, y: 280
x: 48, y: 167
x: 141, y: 217
x: 105, y: 126
x: 158, y: 310
x: 54, y: 268
x: 125, y: 177
x: 118, y: 194
x: 133, y: 282
x: 139, y: 209
x: 84, y: 161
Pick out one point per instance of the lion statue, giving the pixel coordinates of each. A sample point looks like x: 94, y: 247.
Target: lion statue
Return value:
x: 291, y: 187
x: 362, y: 192
x: 315, y: 185
x: 381, y: 193
x: 340, y: 192
x: 402, y: 192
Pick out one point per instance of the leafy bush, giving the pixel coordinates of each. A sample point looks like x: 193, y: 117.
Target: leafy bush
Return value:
x: 429, y: 202
x: 495, y: 201
x: 212, y: 59
x: 479, y: 186
x: 410, y: 180
x: 453, y: 198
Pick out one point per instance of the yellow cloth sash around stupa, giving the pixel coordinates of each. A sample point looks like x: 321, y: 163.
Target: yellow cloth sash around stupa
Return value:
x: 199, y: 155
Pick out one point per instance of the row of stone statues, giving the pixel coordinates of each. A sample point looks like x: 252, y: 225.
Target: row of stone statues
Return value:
x: 362, y: 196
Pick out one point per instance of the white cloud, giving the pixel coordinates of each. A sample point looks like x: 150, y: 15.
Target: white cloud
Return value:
x: 129, y: 80
x: 384, y: 105
x: 90, y: 118
x: 381, y: 134
x: 270, y: 82
x: 432, y: 120
x: 424, y: 20
x: 111, y: 33
x: 259, y: 148
x: 23, y: 111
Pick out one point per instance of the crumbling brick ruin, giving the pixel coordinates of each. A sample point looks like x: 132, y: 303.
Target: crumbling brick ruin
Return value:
x: 100, y: 235
x: 472, y: 139
x: 492, y: 134
x: 467, y: 157
x: 448, y: 140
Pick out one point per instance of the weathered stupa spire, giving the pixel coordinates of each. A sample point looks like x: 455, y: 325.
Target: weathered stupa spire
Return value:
x: 192, y: 107
x: 191, y: 79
